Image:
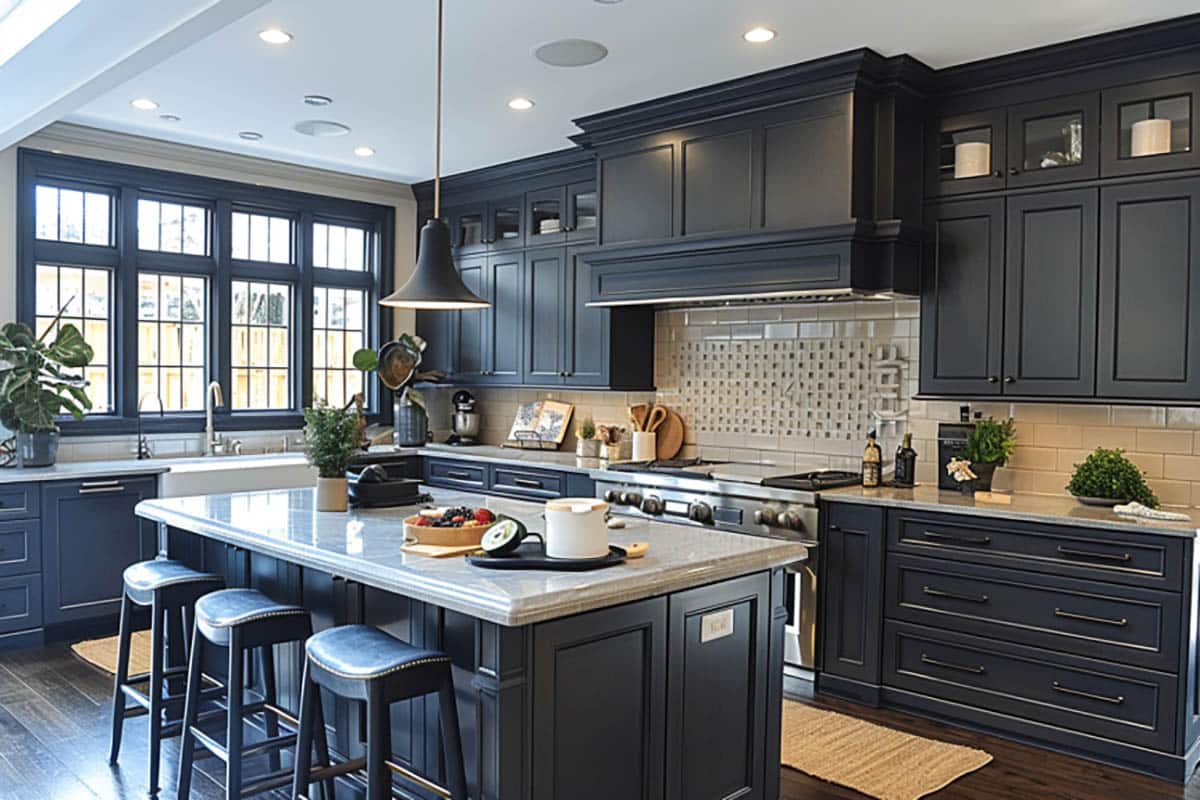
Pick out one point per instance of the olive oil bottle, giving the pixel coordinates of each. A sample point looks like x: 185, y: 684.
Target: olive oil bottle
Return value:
x: 906, y: 463
x: 872, y: 468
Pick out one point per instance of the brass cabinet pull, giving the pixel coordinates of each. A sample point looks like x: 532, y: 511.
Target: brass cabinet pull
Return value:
x: 532, y: 484
x: 1116, y: 701
x: 1069, y: 551
x: 1116, y: 623
x: 970, y: 598
x: 957, y: 539
x: 948, y: 665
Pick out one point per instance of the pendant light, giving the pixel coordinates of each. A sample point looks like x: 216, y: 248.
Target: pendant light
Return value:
x: 435, y: 284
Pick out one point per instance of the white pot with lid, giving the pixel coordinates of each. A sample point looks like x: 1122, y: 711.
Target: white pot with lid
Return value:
x: 576, y: 528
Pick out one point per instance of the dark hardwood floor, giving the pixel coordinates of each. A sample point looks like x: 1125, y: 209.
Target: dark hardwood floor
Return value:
x: 54, y: 727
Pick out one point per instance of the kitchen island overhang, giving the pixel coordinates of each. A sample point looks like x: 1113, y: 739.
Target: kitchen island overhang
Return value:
x: 561, y: 677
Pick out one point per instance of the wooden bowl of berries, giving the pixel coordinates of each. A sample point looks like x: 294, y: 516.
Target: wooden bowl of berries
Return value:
x: 456, y: 526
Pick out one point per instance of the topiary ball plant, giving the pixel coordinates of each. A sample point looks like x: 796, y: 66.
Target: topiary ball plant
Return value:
x: 1109, y: 474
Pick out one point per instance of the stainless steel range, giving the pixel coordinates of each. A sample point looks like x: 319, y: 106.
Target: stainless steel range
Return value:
x: 753, y: 499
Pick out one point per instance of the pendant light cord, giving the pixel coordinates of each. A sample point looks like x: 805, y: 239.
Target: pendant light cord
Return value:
x: 437, y: 125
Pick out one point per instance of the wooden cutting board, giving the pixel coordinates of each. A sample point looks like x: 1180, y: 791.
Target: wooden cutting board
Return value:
x: 670, y: 436
x: 438, y: 551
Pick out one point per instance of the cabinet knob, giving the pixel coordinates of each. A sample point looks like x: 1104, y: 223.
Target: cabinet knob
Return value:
x: 993, y: 379
x: 998, y: 174
x: 568, y: 228
x: 1013, y: 171
x: 1009, y: 379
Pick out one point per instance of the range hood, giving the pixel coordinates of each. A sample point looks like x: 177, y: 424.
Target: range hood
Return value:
x: 804, y: 182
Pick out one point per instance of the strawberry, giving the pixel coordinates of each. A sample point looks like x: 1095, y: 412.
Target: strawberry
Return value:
x: 460, y: 519
x: 422, y: 522
x: 484, y: 517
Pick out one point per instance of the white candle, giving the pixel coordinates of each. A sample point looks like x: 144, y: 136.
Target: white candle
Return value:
x: 972, y: 159
x: 1151, y: 137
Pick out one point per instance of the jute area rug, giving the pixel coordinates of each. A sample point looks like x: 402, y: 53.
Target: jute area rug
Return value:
x: 102, y: 653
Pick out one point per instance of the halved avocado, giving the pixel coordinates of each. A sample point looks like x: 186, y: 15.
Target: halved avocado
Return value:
x: 503, y: 537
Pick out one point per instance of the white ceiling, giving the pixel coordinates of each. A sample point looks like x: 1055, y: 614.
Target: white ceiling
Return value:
x: 376, y: 58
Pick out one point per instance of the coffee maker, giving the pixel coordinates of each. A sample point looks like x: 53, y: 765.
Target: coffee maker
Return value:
x: 464, y: 423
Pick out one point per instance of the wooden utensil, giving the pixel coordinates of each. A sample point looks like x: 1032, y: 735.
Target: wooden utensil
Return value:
x: 670, y: 436
x: 638, y: 414
x: 658, y: 415
x: 438, y: 551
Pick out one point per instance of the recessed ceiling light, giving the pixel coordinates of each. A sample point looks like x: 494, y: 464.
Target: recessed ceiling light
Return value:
x: 320, y: 127
x: 143, y: 104
x: 362, y: 151
x: 170, y: 117
x: 759, y: 35
x: 275, y: 36
x: 250, y: 136
x: 570, y: 53
x: 317, y: 100
x: 520, y: 104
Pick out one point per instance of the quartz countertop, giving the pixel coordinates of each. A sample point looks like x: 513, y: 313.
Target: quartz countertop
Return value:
x: 364, y: 545
x: 551, y: 459
x: 1060, y: 510
x: 80, y: 470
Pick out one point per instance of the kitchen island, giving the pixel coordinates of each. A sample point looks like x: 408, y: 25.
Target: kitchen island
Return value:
x: 657, y: 678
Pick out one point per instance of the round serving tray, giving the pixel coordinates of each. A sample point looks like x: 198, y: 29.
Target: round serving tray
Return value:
x: 532, y: 555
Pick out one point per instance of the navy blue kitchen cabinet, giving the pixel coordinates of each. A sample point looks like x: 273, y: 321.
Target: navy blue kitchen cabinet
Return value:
x: 1077, y: 638
x: 510, y: 480
x: 90, y: 535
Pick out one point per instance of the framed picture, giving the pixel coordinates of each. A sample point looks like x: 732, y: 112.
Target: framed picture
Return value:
x: 540, y: 421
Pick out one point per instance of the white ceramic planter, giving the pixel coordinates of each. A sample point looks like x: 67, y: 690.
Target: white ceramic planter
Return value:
x: 588, y: 448
x: 575, y: 528
x: 331, y: 494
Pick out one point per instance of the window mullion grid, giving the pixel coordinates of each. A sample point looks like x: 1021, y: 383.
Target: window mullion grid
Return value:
x: 125, y: 312
x: 302, y: 343
x: 221, y: 305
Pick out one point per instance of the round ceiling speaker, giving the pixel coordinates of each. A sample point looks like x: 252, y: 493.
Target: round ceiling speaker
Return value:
x: 571, y: 53
x: 321, y: 127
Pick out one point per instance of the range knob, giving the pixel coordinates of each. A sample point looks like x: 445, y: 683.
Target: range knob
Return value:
x: 789, y: 520
x: 612, y: 496
x: 652, y: 505
x: 765, y: 516
x: 700, y: 512
x: 631, y: 499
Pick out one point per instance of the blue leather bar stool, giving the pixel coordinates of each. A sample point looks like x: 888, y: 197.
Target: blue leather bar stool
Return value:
x: 359, y: 662
x: 243, y: 621
x: 161, y: 587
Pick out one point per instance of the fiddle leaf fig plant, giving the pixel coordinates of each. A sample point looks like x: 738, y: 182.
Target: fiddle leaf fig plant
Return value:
x: 37, y: 379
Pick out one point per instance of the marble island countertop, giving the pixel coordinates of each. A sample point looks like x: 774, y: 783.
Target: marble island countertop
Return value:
x: 364, y: 546
x: 79, y: 470
x: 1053, y: 509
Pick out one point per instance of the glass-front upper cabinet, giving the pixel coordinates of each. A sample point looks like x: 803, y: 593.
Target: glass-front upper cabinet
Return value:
x: 582, y: 207
x: 1151, y: 127
x: 547, y: 214
x: 968, y: 154
x: 504, y: 227
x: 467, y: 232
x: 1054, y: 140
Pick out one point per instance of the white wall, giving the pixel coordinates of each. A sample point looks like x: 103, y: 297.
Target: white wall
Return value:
x: 139, y: 151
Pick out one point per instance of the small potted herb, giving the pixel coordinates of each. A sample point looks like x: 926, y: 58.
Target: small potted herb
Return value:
x: 331, y: 438
x: 588, y: 445
x: 1107, y: 478
x: 38, y: 384
x: 990, y: 445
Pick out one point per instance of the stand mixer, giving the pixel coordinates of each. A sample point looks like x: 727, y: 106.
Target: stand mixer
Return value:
x: 465, y: 421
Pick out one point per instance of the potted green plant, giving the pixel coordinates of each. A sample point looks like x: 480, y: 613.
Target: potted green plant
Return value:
x: 1107, y: 477
x: 587, y: 446
x: 38, y: 384
x: 331, y: 438
x: 990, y: 445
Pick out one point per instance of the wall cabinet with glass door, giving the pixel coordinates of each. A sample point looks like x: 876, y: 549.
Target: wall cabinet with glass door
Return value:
x: 1150, y: 127
x: 561, y: 214
x: 484, y: 226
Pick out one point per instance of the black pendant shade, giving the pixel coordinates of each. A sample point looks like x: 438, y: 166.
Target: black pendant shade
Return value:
x: 436, y: 284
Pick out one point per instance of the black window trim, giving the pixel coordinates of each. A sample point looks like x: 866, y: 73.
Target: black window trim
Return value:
x: 125, y: 183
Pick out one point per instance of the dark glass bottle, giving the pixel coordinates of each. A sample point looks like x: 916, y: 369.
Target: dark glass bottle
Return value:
x: 906, y: 463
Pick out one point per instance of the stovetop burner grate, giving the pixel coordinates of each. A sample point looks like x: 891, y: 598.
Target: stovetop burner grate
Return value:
x: 815, y: 480
x: 668, y: 466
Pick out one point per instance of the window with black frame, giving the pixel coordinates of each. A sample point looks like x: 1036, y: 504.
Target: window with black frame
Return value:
x: 179, y: 280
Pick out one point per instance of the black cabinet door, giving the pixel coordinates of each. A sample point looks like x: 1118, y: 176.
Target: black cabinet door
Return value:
x: 582, y: 211
x: 962, y: 299
x: 469, y: 329
x: 716, y: 690
x: 1054, y: 140
x: 546, y: 214
x: 504, y: 281
x: 1050, y: 294
x: 967, y: 153
x: 90, y: 534
x: 545, y: 315
x: 1150, y: 291
x: 598, y: 707
x: 852, y: 580
x: 587, y: 337
x: 468, y: 228
x: 506, y: 224
x: 1175, y: 103
x: 637, y: 194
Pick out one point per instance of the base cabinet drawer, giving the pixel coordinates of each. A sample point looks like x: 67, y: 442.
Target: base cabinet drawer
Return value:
x: 528, y: 483
x: 20, y: 603
x: 1092, y: 553
x: 1122, y: 703
x: 20, y: 547
x: 454, y: 474
x: 1125, y: 624
x: 19, y: 500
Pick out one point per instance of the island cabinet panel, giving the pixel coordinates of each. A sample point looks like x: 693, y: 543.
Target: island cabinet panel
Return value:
x: 20, y: 603
x: 1150, y: 291
x: 1050, y: 294
x: 598, y: 704
x: 962, y: 299
x: 19, y: 500
x: 90, y: 534
x: 20, y: 547
x: 718, y: 665
x: 852, y: 560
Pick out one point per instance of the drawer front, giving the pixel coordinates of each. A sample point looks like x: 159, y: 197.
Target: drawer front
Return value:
x: 1079, y: 694
x: 528, y: 483
x: 1092, y: 553
x: 20, y: 547
x: 19, y: 500
x: 20, y: 603
x: 1126, y: 624
x: 455, y: 474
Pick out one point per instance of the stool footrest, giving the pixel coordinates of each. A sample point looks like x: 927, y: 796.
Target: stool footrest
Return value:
x: 272, y: 780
